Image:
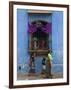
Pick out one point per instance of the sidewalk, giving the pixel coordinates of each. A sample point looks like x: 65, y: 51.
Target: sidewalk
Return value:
x: 22, y: 76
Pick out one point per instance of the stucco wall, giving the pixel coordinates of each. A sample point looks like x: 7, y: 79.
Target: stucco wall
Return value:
x: 22, y: 34
x: 57, y: 39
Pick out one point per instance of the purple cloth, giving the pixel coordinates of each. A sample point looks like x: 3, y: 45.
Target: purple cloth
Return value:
x: 45, y: 28
x: 32, y: 28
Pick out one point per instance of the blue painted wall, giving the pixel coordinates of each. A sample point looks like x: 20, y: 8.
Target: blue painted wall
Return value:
x: 44, y: 17
x: 57, y: 39
x: 22, y: 42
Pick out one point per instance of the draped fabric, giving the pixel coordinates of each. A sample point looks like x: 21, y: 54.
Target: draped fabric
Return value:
x: 45, y: 28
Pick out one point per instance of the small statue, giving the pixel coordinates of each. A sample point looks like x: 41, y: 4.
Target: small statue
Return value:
x: 43, y: 44
x: 32, y: 65
x: 35, y: 43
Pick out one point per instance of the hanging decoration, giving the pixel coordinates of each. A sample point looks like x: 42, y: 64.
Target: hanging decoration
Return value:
x: 44, y: 27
